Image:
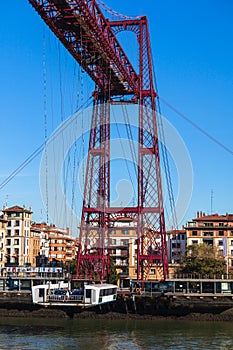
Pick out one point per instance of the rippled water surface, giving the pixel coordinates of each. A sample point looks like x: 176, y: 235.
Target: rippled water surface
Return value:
x: 60, y: 334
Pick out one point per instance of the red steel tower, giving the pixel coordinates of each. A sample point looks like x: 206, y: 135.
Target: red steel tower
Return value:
x: 92, y: 40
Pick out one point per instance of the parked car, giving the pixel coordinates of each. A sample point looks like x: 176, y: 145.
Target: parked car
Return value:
x: 76, y: 294
x: 60, y: 293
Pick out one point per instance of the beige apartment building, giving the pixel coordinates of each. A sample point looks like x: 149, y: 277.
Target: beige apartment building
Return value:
x: 21, y: 246
x: 3, y: 227
x: 215, y: 230
x: 62, y: 246
x: 56, y: 244
x: 123, y: 248
x: 40, y: 230
x: 23, y: 241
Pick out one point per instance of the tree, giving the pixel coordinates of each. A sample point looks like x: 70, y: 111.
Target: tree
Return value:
x: 113, y: 277
x: 71, y: 267
x: 203, y: 260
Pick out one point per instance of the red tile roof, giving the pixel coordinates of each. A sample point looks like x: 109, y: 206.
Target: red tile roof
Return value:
x: 214, y: 217
x: 17, y: 209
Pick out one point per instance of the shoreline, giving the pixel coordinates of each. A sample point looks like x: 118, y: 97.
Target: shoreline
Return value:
x: 27, y: 312
x: 134, y: 307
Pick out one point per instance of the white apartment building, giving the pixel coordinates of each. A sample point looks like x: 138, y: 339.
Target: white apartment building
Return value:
x: 176, y: 245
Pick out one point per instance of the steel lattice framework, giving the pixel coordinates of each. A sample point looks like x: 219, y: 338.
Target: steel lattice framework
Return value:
x: 91, y: 39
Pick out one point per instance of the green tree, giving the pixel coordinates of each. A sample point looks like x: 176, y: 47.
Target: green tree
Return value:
x: 113, y: 277
x: 70, y: 267
x: 204, y: 260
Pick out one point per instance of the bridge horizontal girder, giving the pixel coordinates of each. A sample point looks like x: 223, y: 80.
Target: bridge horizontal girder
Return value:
x: 88, y: 36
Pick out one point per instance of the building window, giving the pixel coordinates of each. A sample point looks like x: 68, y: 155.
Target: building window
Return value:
x: 124, y: 242
x: 17, y: 223
x: 208, y: 242
x: 208, y: 234
x: 221, y: 224
x: 208, y: 224
x: 8, y: 232
x: 194, y: 233
x: 221, y: 233
x: 16, y: 241
x: 9, y: 223
x: 124, y: 231
x: 231, y: 242
x: 8, y: 242
x: 220, y: 243
x: 175, y: 245
x: 194, y: 241
x: 231, y: 252
x: 17, y: 232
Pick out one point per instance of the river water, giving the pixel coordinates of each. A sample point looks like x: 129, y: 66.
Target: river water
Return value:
x: 67, y: 334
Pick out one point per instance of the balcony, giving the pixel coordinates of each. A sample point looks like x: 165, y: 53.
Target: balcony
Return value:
x: 121, y: 264
x: 191, y: 224
x: 120, y: 254
x: 208, y: 234
x: 121, y: 245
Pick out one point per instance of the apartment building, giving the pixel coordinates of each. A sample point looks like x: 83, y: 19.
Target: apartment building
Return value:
x: 176, y: 245
x: 40, y: 231
x: 21, y: 246
x: 215, y: 230
x: 3, y: 227
x: 62, y: 247
x: 123, y: 248
x: 56, y: 244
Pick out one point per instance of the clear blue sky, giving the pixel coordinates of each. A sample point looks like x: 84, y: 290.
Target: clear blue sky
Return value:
x: 193, y: 55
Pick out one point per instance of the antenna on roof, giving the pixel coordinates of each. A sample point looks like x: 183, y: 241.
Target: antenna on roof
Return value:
x: 6, y: 202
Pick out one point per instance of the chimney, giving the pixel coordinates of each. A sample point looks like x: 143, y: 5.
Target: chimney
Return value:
x: 198, y: 214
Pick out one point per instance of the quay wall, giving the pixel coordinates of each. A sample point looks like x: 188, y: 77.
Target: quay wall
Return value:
x: 206, y: 308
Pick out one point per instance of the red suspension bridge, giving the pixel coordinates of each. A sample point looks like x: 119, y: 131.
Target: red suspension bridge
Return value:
x: 91, y: 39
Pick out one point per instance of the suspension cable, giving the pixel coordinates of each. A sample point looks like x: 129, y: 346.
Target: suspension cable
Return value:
x: 123, y: 150
x: 29, y: 159
x: 130, y: 138
x: 167, y: 168
x: 22, y: 166
x: 45, y: 123
x: 165, y: 155
x: 183, y: 116
x: 113, y: 12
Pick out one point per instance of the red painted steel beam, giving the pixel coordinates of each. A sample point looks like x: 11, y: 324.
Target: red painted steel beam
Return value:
x: 129, y: 210
x: 91, y: 39
x: 82, y: 28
